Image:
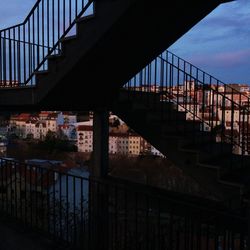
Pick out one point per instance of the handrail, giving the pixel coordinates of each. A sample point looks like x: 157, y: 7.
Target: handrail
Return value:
x: 32, y: 44
x: 202, y: 71
x: 25, y: 47
x: 26, y: 19
x: 243, y: 108
x: 198, y: 81
x: 144, y: 190
x: 175, y: 80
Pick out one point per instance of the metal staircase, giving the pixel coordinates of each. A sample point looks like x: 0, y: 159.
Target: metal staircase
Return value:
x: 198, y: 122
x: 64, y: 40
x: 194, y: 119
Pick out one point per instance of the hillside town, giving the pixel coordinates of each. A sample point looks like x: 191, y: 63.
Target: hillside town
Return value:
x: 214, y: 110
x: 122, y: 140
x: 216, y: 107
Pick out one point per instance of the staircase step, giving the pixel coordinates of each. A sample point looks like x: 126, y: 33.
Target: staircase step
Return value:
x: 196, y: 138
x: 53, y: 60
x: 85, y: 18
x: 41, y: 72
x: 234, y: 169
x: 163, y: 116
x: 40, y: 75
x: 68, y: 38
x: 148, y: 99
x: 54, y: 56
x: 180, y: 127
x: 67, y: 43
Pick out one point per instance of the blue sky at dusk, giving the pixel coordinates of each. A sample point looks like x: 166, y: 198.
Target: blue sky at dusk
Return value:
x: 219, y: 44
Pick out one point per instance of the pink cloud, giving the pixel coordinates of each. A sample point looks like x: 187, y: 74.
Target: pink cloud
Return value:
x: 222, y: 59
x: 233, y: 57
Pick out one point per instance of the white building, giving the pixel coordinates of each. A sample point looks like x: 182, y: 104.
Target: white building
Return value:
x: 30, y: 128
x: 85, y: 138
x: 113, y: 144
x: 122, y: 141
x: 134, y: 144
x: 155, y: 151
x: 40, y: 130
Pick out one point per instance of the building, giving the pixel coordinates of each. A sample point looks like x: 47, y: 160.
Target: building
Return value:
x: 85, y: 138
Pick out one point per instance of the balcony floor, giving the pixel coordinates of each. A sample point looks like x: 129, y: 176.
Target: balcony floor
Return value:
x: 13, y: 236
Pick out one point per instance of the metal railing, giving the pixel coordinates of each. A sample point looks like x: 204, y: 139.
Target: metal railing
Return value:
x: 213, y: 110
x: 25, y: 47
x: 84, y: 212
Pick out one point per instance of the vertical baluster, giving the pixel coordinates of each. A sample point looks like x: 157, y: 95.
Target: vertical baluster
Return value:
x: 33, y: 46
x: 54, y: 203
x: 60, y: 205
x: 74, y: 210
x: 82, y: 229
x: 242, y: 134
x: 203, y: 101
x: 30, y: 50
x: 4, y: 59
x: 16, y: 207
x: 49, y: 182
x: 1, y: 58
x: 53, y: 22
x: 64, y: 17
x: 41, y: 200
x: 10, y: 57
x: 18, y: 57
x: 70, y: 11
x: 48, y: 26
x: 36, y: 196
x: 125, y: 218
x: 156, y: 97
x: 12, y: 182
x: 3, y: 185
x: 178, y: 87
x: 67, y: 209
x: 232, y: 128
x: 25, y: 195
x: 58, y: 20
x: 161, y: 90
x: 247, y: 125
x: 38, y: 38
x: 217, y: 104
x: 31, y: 194
x: 14, y: 56
x: 43, y: 37
x: 24, y: 55
x: 76, y: 8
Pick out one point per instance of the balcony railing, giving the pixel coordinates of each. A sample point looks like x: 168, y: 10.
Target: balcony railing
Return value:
x: 25, y: 47
x: 80, y: 211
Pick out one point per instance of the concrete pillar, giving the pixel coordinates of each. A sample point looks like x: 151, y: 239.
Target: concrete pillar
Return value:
x: 98, y: 204
x: 100, y: 143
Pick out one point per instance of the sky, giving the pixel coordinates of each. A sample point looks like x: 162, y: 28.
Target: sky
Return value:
x: 219, y: 44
